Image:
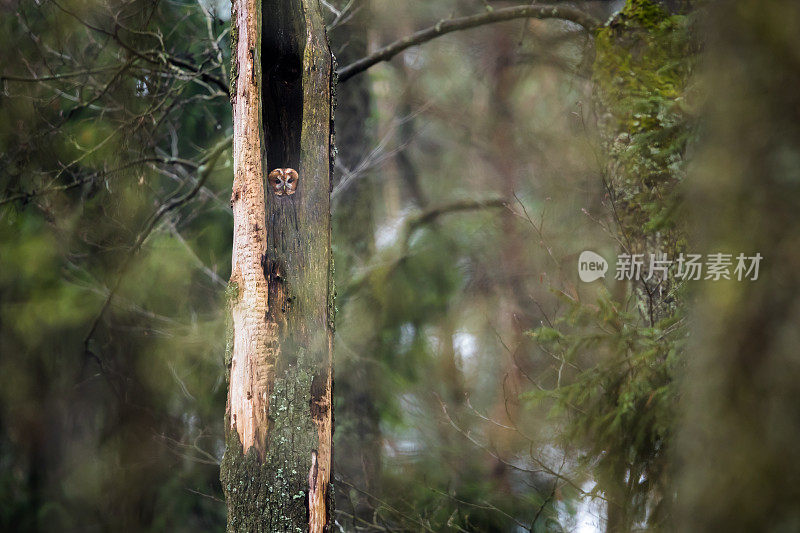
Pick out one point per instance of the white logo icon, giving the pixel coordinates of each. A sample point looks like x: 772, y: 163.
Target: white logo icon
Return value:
x: 591, y: 266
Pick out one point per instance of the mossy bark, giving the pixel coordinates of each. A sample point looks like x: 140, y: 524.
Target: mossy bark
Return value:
x: 641, y: 71
x: 277, y: 465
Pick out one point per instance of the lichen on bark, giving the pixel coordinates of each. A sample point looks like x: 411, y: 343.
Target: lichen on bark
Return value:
x: 269, y: 495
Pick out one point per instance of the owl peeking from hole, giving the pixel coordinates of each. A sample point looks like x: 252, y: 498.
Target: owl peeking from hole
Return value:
x: 283, y: 181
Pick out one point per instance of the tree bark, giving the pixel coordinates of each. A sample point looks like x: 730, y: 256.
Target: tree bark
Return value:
x: 641, y: 69
x: 277, y: 465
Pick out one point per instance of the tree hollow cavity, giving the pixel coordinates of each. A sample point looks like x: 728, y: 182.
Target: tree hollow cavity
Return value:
x: 282, y: 70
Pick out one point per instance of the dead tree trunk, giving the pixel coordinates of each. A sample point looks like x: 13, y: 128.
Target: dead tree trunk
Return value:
x: 277, y: 465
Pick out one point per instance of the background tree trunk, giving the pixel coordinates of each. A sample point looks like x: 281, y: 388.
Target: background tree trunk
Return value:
x: 358, y: 389
x: 740, y: 459
x: 277, y: 466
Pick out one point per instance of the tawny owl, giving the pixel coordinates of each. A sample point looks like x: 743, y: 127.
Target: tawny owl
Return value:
x: 283, y: 181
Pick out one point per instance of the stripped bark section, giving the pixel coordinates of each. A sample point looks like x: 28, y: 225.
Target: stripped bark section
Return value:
x: 316, y: 522
x: 252, y: 356
x: 321, y: 459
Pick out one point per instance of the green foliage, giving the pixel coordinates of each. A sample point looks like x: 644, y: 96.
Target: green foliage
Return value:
x: 616, y: 393
x: 127, y: 434
x: 110, y: 419
x: 615, y: 387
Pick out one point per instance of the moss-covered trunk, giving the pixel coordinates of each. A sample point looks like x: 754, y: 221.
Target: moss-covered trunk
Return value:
x: 641, y: 69
x: 277, y: 466
x: 642, y: 65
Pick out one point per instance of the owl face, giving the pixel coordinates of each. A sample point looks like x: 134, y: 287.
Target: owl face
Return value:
x: 283, y: 181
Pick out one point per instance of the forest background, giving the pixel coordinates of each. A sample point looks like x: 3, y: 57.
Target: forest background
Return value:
x: 479, y: 384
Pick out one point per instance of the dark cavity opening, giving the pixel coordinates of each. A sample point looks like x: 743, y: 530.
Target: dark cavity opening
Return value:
x: 282, y: 46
